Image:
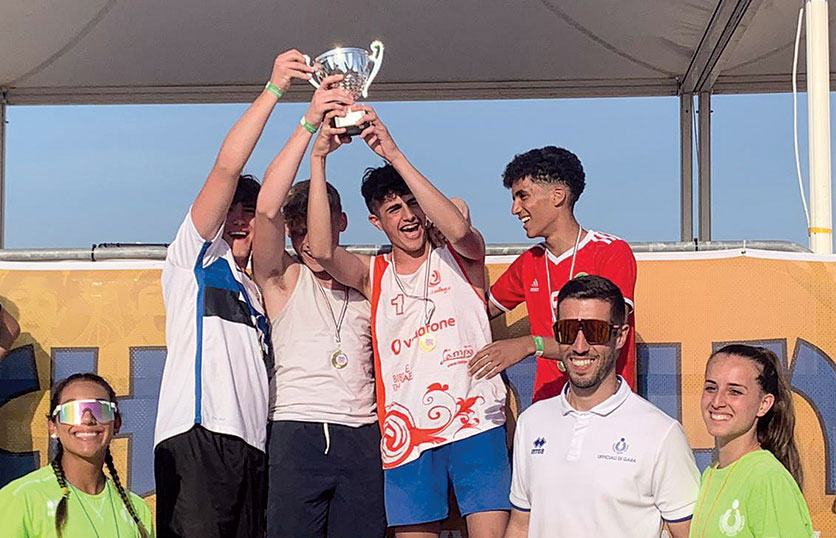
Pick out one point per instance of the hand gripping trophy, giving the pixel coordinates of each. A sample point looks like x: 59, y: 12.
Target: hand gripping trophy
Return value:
x: 359, y: 67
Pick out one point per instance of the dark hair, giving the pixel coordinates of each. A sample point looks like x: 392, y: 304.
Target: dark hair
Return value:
x: 295, y: 208
x: 246, y: 192
x: 380, y: 184
x: 776, y: 429
x: 58, y: 469
x: 548, y: 165
x: 595, y: 287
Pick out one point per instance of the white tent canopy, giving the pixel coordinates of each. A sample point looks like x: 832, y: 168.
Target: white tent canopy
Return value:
x: 143, y: 51
x: 163, y: 51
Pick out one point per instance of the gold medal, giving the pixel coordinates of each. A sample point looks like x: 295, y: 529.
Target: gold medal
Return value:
x: 427, y: 341
x: 339, y: 360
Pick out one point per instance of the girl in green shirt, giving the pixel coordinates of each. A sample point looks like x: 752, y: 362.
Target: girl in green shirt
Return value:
x: 754, y: 489
x: 72, y: 497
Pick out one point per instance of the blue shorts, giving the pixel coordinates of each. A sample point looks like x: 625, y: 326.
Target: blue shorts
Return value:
x: 477, y: 467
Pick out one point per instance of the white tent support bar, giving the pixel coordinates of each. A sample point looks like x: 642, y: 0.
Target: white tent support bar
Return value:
x: 818, y: 120
x: 704, y: 159
x: 727, y: 25
x: 382, y: 91
x: 686, y: 167
x: 2, y: 167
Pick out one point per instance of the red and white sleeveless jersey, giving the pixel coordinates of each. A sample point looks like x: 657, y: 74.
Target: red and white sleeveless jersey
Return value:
x: 527, y: 280
x: 425, y: 395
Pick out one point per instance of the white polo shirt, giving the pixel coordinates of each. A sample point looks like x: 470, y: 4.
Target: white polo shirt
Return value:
x: 616, y: 470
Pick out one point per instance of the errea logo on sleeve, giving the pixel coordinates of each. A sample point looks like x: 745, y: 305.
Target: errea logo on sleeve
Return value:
x: 539, y: 443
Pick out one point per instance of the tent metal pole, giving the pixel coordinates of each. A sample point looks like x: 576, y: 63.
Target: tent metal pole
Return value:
x: 818, y: 120
x: 704, y: 160
x: 3, y: 105
x: 686, y: 167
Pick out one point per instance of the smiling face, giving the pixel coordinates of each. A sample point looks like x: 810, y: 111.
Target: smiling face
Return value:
x: 589, y: 364
x: 238, y: 231
x: 732, y: 400
x: 90, y: 439
x: 403, y: 221
x: 535, y: 204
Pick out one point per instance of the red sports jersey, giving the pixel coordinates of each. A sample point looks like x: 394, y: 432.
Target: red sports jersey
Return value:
x: 527, y: 280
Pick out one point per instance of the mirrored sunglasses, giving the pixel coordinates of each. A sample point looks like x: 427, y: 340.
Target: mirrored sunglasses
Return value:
x: 72, y: 413
x: 595, y: 331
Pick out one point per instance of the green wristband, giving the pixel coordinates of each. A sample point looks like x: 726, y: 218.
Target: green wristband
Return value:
x: 308, y: 127
x: 275, y: 90
x: 538, y: 346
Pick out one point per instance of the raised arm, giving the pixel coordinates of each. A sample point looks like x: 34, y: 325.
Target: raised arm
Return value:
x: 269, y: 258
x: 447, y: 218
x: 348, y: 268
x: 212, y: 203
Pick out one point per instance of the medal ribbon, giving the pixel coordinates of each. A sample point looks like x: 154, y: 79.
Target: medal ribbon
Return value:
x: 337, y: 324
x: 425, y: 299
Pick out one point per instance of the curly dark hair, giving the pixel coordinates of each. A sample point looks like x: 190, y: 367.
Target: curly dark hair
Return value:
x: 295, y: 208
x: 246, y: 192
x: 380, y: 184
x: 548, y: 165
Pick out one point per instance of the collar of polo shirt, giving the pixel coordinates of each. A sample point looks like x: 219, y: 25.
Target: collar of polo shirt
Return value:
x: 604, y: 408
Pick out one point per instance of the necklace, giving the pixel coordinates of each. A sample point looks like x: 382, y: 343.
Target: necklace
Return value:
x: 339, y: 360
x: 427, y: 340
x: 82, y: 502
x: 571, y: 272
x: 707, y: 518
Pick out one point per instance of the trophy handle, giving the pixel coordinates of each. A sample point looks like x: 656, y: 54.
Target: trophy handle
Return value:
x: 376, y: 57
x: 313, y: 82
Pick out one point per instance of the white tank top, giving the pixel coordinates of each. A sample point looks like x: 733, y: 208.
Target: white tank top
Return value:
x: 426, y: 396
x: 306, y: 385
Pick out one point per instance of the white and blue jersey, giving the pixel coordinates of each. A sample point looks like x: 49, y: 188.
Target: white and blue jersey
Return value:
x: 217, y: 343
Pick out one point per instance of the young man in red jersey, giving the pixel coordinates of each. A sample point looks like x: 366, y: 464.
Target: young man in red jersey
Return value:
x: 545, y: 183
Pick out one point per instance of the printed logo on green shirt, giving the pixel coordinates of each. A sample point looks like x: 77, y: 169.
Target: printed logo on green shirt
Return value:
x: 732, y: 521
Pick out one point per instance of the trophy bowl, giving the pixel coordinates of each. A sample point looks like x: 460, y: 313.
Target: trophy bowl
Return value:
x: 359, y: 67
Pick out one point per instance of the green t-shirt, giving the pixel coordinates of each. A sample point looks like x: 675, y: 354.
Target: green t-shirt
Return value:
x: 754, y: 497
x: 27, y: 510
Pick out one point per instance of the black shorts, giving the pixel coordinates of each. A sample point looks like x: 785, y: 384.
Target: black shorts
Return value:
x: 314, y: 494
x: 209, y: 485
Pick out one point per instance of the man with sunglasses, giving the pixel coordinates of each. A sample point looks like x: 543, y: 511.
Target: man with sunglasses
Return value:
x: 545, y: 184
x: 628, y: 464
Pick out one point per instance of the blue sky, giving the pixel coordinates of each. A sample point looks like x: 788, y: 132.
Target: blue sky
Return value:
x: 78, y: 175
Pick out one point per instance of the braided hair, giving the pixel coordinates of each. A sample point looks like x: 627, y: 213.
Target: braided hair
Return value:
x: 61, y: 509
x: 124, y: 494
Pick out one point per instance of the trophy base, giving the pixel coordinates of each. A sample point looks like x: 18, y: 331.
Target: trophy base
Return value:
x: 349, y: 122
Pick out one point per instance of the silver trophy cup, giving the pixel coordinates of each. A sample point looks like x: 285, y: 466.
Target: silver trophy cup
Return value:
x: 359, y: 67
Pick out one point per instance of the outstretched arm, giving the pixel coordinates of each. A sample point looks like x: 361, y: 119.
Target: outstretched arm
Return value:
x: 502, y: 354
x: 212, y: 203
x: 348, y: 268
x: 443, y: 213
x: 269, y: 258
